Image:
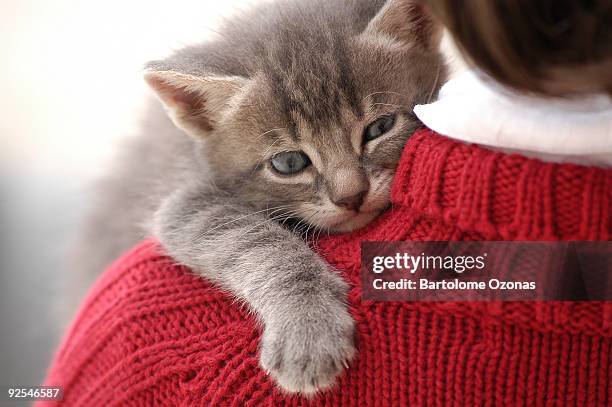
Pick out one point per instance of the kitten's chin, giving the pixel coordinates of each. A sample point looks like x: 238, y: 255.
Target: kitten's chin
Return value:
x: 358, y: 221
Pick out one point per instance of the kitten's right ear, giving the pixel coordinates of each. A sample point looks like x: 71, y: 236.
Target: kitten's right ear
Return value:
x: 406, y: 22
x: 194, y: 103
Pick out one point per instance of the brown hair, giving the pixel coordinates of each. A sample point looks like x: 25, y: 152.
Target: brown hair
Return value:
x: 550, y: 47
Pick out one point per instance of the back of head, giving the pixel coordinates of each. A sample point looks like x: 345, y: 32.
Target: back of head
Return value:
x: 547, y: 47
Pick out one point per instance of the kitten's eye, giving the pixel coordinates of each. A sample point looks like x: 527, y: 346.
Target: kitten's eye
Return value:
x: 378, y: 127
x: 290, y: 163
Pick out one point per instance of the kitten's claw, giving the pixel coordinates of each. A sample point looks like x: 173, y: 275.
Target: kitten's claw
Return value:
x: 312, y: 368
x: 306, y: 355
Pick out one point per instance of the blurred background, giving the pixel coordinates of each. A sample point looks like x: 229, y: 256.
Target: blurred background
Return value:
x: 70, y: 89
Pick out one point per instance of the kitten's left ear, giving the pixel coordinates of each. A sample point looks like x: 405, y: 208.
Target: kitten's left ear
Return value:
x: 407, y: 22
x: 194, y: 103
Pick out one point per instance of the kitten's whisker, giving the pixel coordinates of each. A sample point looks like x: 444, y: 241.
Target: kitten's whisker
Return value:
x: 381, y: 93
x: 435, y: 85
x: 260, y: 224
x: 319, y: 232
x: 282, y: 215
x: 269, y: 131
x: 300, y: 223
x: 308, y: 229
x: 312, y: 227
x: 268, y: 220
x: 242, y: 217
x: 386, y: 104
x: 290, y: 215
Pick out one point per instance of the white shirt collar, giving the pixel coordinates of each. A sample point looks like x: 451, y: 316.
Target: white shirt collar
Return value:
x: 562, y: 130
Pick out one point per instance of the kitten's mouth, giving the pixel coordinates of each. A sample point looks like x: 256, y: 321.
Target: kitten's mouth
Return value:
x: 357, y: 221
x: 339, y: 221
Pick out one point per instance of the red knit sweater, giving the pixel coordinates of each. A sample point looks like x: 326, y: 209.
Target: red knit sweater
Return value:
x: 151, y: 333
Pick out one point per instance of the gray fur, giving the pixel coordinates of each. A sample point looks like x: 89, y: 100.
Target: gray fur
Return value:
x: 308, y: 334
x: 291, y: 75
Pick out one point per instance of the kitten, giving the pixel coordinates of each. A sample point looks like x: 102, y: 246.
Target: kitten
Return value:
x: 296, y: 116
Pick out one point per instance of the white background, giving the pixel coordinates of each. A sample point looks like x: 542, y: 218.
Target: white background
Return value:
x: 70, y: 88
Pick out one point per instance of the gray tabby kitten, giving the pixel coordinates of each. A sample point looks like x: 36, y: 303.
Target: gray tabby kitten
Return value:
x: 297, y: 116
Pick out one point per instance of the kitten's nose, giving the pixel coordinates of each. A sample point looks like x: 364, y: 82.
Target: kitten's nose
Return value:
x: 347, y: 186
x: 352, y: 202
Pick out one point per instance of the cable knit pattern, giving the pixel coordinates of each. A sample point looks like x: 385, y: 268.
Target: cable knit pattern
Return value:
x: 151, y: 333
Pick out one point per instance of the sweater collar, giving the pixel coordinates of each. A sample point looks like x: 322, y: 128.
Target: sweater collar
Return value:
x: 501, y: 196
x: 475, y: 110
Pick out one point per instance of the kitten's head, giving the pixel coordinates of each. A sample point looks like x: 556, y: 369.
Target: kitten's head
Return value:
x: 311, y: 122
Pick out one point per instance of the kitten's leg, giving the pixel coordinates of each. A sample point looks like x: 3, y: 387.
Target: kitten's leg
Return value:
x: 308, y: 331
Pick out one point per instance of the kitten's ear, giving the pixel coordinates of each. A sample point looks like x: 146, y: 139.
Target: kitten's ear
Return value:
x: 194, y: 103
x: 406, y: 21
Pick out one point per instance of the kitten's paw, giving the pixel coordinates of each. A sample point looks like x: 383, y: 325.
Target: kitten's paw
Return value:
x: 307, y: 353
